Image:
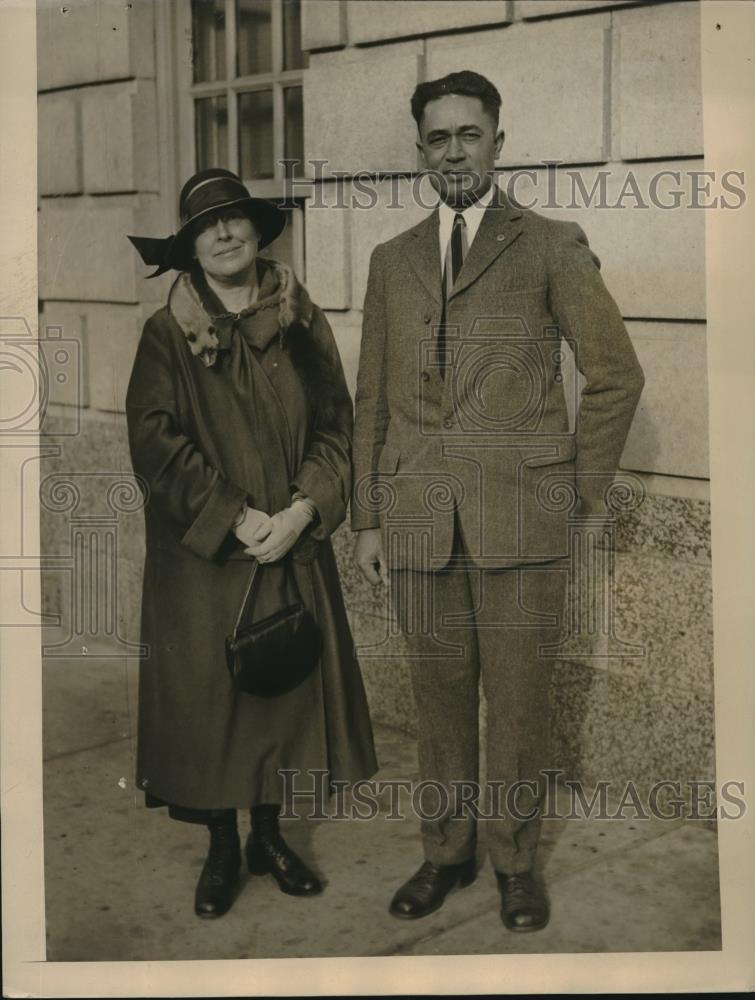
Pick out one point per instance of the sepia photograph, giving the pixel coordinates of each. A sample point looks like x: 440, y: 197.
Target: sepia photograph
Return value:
x: 366, y: 464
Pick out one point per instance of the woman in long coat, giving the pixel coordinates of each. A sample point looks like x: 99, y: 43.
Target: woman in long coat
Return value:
x: 240, y: 427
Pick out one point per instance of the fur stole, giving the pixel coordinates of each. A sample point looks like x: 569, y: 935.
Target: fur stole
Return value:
x: 203, y: 322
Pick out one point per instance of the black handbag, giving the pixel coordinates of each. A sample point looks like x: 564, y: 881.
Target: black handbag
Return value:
x: 274, y: 655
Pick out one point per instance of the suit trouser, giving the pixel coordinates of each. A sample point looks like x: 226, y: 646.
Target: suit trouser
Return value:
x: 493, y: 621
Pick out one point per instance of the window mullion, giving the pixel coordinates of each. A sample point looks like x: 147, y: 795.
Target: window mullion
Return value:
x: 187, y: 150
x: 279, y: 132
x: 276, y: 31
x: 278, y: 104
x: 231, y: 64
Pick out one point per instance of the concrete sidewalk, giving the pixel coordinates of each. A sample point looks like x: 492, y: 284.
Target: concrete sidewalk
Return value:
x: 120, y: 879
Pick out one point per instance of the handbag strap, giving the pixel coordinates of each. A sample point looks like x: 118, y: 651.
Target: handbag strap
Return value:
x: 250, y: 584
x: 247, y: 593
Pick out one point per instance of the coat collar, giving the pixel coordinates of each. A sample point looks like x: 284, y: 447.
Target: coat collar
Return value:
x: 501, y: 225
x: 208, y: 327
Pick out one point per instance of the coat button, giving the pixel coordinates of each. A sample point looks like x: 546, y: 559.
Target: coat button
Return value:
x: 427, y: 317
x: 425, y: 376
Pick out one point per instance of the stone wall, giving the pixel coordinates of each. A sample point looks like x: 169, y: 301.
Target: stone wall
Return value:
x: 598, y: 86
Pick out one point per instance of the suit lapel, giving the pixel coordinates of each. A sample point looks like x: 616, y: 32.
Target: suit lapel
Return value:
x: 423, y: 254
x: 501, y: 225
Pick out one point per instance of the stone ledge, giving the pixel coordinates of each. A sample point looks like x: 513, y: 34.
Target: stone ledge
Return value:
x: 550, y: 8
x: 370, y: 21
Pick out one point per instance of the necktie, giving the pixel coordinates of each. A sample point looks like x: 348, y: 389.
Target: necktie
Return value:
x: 456, y: 251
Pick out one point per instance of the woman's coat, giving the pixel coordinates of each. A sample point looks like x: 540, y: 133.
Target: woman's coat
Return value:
x: 218, y: 415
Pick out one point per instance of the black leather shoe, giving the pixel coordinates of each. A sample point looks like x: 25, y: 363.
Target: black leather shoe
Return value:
x: 215, y: 889
x: 428, y: 887
x: 268, y: 853
x: 523, y: 903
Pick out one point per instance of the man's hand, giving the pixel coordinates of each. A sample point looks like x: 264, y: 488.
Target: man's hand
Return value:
x: 275, y: 536
x: 247, y: 524
x: 369, y: 556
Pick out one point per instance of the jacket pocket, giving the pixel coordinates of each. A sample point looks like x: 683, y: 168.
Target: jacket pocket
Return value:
x: 388, y: 460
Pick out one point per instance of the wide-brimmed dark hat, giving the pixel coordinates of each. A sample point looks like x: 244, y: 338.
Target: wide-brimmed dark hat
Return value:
x: 205, y: 192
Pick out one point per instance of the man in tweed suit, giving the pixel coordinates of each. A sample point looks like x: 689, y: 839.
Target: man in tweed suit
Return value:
x: 462, y: 455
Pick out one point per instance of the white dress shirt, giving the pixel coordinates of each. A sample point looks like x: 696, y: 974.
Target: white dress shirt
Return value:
x: 472, y: 218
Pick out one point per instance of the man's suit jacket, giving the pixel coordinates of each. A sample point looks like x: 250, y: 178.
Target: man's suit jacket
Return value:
x: 491, y: 439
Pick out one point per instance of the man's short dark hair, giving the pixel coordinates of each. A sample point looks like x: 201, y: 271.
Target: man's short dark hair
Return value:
x: 466, y: 83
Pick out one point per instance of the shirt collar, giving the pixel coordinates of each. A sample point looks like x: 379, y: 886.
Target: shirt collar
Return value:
x: 447, y: 213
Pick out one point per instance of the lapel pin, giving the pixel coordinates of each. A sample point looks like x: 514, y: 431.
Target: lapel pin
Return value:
x: 500, y: 237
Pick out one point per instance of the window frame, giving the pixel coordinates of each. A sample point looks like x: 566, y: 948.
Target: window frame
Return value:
x: 178, y: 25
x: 277, y: 80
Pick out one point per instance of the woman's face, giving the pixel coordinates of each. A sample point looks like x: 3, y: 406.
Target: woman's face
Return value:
x: 225, y: 243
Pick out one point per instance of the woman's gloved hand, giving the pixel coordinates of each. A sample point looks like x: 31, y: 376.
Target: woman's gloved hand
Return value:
x: 247, y: 522
x: 274, y: 537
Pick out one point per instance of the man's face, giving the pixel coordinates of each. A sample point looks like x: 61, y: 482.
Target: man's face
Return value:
x: 225, y: 243
x: 459, y: 144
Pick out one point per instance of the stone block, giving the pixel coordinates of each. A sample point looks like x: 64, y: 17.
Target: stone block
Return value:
x: 664, y: 605
x: 120, y: 147
x: 674, y: 526
x: 328, y: 250
x: 376, y: 20
x: 62, y: 333
x: 323, y: 24
x: 385, y: 670
x: 669, y: 433
x: 659, y: 56
x: 611, y: 728
x: 382, y: 222
x: 83, y: 251
x: 86, y: 41
x: 660, y: 628
x: 59, y: 145
x: 653, y: 257
x: 354, y: 120
x: 113, y: 334
x: 552, y: 107
x: 549, y: 8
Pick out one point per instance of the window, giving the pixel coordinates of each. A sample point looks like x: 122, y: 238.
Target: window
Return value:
x: 244, y: 95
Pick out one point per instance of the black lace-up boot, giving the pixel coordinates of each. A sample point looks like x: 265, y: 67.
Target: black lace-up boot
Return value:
x: 426, y: 890
x: 524, y: 906
x: 268, y: 853
x: 220, y: 873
